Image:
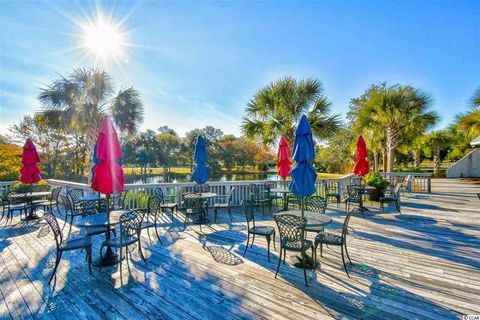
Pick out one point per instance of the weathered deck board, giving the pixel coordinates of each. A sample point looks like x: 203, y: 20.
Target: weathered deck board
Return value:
x: 423, y: 263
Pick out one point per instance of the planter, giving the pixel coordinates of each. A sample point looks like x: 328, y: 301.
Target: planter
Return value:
x: 375, y: 195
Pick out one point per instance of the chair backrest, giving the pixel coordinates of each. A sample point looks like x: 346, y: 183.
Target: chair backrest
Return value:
x: 253, y: 189
x: 291, y: 227
x: 118, y: 200
x: 130, y: 223
x: 55, y: 193
x: 231, y: 193
x: 397, y: 189
x: 345, y: 225
x: 354, y: 193
x: 192, y: 201
x: 153, y: 204
x: 13, y: 199
x: 159, y: 193
x: 53, y: 223
x: 75, y: 194
x: 41, y: 188
x: 356, y: 181
x: 316, y: 204
x: 199, y: 188
x: 65, y: 201
x: 247, y: 206
x: 329, y: 187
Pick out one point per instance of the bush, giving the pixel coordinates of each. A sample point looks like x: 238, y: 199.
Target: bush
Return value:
x: 23, y: 187
x: 376, y: 180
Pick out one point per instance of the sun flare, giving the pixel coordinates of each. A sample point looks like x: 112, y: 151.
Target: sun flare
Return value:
x: 103, y: 39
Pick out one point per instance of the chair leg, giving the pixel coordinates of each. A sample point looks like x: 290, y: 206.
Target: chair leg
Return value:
x: 304, y: 257
x: 279, y: 261
x: 89, y: 256
x: 284, y: 255
x: 156, y: 231
x: 344, y: 264
x: 274, y: 246
x: 315, y: 254
x: 321, y: 249
x: 246, y: 247
x: 140, y: 251
x: 268, y: 247
x: 346, y: 251
x: 215, y: 215
x: 57, y: 261
x: 230, y: 214
x: 253, y: 240
x: 120, y: 263
x: 71, y: 223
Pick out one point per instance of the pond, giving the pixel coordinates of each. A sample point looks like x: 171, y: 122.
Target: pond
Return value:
x: 179, y: 177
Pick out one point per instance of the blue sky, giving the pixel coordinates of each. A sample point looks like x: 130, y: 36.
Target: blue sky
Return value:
x: 198, y: 63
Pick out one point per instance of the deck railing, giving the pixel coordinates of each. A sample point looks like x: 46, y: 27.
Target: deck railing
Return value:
x: 139, y: 192
x: 419, y: 182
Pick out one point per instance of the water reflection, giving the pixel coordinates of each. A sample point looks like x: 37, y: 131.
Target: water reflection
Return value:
x: 178, y: 177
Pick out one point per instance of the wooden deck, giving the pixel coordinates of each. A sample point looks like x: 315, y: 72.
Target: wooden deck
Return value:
x: 423, y: 263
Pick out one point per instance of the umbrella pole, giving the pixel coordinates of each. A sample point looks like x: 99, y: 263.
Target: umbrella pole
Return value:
x: 302, y: 203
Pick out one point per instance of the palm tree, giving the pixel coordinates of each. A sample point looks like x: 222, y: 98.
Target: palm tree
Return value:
x: 470, y: 121
x: 397, y: 113
x: 435, y: 141
x: 276, y: 108
x: 82, y: 98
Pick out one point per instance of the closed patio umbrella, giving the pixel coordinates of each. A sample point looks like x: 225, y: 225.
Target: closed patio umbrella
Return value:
x: 201, y: 172
x: 284, y: 163
x: 303, y: 173
x: 361, y: 167
x: 30, y: 173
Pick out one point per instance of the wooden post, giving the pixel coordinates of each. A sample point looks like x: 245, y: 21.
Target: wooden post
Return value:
x: 429, y: 184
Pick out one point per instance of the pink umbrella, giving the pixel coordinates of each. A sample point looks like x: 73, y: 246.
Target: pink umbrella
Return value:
x: 108, y: 174
x: 30, y: 173
x: 361, y: 167
x: 284, y: 163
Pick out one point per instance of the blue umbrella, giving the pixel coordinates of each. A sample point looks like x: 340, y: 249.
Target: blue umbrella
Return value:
x: 201, y: 172
x: 303, y: 173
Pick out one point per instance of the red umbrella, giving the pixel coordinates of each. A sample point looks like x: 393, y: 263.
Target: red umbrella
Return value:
x: 108, y: 174
x: 30, y: 173
x: 361, y: 163
x: 284, y: 162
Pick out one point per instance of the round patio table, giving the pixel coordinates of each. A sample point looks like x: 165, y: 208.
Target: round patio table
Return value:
x: 284, y: 192
x: 314, y: 219
x: 365, y: 189
x: 30, y: 196
x: 101, y: 220
x: 203, y: 217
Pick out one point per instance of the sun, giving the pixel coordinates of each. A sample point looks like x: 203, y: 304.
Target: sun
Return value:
x: 103, y: 39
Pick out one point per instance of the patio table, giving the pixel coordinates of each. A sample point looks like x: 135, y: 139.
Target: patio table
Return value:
x: 102, y: 220
x: 203, y: 217
x: 284, y: 192
x: 30, y: 196
x: 314, y: 219
x: 365, y: 189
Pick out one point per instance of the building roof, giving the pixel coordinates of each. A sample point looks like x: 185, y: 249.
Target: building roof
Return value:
x: 475, y: 142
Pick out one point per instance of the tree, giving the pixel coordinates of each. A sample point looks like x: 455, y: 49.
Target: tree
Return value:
x: 168, y: 148
x: 10, y: 162
x: 276, y: 109
x: 338, y: 155
x: 398, y: 113
x: 83, y: 97
x: 435, y: 141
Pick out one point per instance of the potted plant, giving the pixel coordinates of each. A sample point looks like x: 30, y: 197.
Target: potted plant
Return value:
x: 376, y: 180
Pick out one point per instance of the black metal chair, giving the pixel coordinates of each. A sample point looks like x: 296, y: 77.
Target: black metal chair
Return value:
x: 224, y: 202
x: 71, y: 212
x: 117, y: 200
x: 318, y: 205
x: 355, y: 197
x: 75, y: 194
x: 68, y: 244
x: 391, y: 196
x: 166, y: 202
x: 151, y: 213
x: 192, y: 205
x: 48, y: 204
x: 292, y: 238
x: 331, y: 191
x: 252, y: 229
x: 15, y: 201
x: 258, y: 197
x: 293, y: 201
x: 272, y: 195
x: 335, y: 240
x: 130, y: 226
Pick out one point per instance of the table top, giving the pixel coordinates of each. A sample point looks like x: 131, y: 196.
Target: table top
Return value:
x: 100, y: 219
x: 280, y: 190
x: 92, y: 197
x: 31, y: 194
x: 314, y: 219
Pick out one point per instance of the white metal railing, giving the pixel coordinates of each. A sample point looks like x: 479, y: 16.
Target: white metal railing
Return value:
x: 419, y: 182
x: 6, y: 186
x: 138, y: 192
